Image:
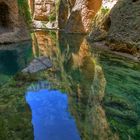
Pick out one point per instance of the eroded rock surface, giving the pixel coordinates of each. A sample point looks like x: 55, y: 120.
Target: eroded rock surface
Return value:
x: 121, y: 28
x: 38, y: 64
x: 79, y: 15
x: 12, y: 25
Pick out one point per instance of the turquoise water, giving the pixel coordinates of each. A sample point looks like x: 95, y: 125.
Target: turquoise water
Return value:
x: 103, y: 90
x: 50, y: 116
x: 13, y: 58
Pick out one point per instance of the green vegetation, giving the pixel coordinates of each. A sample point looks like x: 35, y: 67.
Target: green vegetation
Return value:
x: 15, y: 118
x: 24, y: 11
x: 52, y: 16
x: 105, y: 10
x: 122, y: 95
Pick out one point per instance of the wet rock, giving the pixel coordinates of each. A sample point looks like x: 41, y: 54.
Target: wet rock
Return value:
x: 38, y: 64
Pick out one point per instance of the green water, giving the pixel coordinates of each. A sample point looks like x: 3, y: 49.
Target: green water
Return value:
x: 103, y: 89
x: 13, y: 58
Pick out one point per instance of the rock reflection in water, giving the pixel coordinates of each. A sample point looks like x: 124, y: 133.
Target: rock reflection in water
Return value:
x: 85, y: 82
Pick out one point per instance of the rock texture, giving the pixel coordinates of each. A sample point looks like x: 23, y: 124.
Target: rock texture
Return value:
x: 44, y: 43
x: 38, y: 64
x: 43, y: 9
x: 12, y: 25
x: 79, y: 15
x: 121, y: 27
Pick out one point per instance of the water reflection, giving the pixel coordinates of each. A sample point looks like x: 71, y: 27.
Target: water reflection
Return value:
x: 13, y: 58
x: 51, y: 119
x: 83, y: 79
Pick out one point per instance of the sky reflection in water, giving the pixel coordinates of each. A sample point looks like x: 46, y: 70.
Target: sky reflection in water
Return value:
x: 50, y: 116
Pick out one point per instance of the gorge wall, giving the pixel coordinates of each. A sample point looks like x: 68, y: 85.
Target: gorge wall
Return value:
x: 43, y: 13
x: 12, y: 25
x: 120, y: 28
x: 75, y: 16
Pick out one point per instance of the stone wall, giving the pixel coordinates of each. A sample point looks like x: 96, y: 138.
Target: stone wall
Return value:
x: 43, y: 9
x: 120, y: 28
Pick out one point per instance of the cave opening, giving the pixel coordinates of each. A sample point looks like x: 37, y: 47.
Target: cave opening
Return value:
x: 4, y: 18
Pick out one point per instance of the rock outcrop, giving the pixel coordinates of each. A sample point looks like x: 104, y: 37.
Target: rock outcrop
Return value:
x: 12, y: 25
x: 121, y: 28
x: 78, y: 15
x: 44, y: 13
x: 43, y: 9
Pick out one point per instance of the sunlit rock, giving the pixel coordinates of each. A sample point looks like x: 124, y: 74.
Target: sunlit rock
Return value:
x: 119, y: 27
x: 81, y: 16
x: 43, y: 9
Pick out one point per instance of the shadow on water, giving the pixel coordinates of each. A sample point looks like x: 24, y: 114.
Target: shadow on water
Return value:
x: 103, y: 90
x: 13, y: 58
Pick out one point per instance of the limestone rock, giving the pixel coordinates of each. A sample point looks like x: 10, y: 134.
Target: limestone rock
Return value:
x: 82, y: 15
x: 121, y: 27
x: 38, y: 64
x: 43, y: 9
x: 12, y: 25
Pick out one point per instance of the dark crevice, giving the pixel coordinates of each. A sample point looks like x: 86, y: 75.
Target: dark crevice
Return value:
x: 107, y: 24
x: 4, y: 15
x: 5, y: 24
x: 135, y: 0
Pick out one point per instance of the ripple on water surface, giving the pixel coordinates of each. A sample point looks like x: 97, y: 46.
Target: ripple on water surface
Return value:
x: 50, y: 117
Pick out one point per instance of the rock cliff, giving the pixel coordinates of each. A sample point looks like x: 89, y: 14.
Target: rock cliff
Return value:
x: 120, y: 28
x: 78, y: 15
x: 12, y: 24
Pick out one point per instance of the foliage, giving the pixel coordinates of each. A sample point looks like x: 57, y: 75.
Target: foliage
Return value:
x: 52, y: 16
x: 24, y: 11
x: 105, y: 10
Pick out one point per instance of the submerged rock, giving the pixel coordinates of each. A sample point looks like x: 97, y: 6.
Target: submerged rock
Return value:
x: 38, y: 64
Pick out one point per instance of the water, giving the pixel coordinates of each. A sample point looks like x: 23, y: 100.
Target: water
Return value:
x: 102, y: 89
x: 50, y: 117
x: 13, y: 58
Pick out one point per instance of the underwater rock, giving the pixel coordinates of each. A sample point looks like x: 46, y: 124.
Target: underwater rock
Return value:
x: 38, y: 64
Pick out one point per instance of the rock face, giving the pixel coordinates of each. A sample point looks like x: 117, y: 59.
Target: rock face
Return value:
x: 44, y: 43
x: 44, y: 13
x: 12, y: 26
x: 38, y: 64
x: 79, y: 15
x: 43, y: 9
x: 122, y: 27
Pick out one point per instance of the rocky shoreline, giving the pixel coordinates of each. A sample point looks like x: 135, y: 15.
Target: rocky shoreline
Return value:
x: 103, y: 47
